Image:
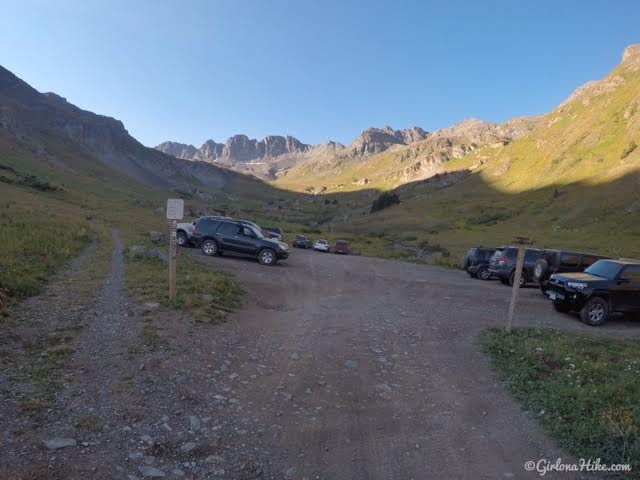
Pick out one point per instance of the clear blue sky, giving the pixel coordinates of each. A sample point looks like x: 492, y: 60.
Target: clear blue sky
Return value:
x: 316, y: 69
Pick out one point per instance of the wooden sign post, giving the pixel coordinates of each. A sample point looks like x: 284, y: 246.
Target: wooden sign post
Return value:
x: 175, y: 212
x: 522, y: 243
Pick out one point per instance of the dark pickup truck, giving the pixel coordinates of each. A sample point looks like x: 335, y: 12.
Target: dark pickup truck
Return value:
x: 606, y: 287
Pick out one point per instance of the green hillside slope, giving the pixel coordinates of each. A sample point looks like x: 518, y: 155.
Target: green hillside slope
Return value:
x: 573, y: 182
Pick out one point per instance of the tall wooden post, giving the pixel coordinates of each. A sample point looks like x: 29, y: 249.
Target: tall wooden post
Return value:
x: 522, y: 243
x: 173, y: 253
x: 175, y: 211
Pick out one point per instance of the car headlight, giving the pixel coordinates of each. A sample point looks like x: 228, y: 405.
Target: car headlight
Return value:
x: 577, y: 285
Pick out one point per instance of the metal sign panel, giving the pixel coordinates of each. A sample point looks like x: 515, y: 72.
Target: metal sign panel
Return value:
x: 175, y: 209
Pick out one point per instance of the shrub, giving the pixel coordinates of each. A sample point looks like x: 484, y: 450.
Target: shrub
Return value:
x: 385, y: 200
x: 632, y: 146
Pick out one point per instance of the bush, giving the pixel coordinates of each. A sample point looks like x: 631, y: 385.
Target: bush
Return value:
x: 632, y: 146
x: 385, y: 200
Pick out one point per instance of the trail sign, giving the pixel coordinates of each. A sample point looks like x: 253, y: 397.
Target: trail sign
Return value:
x: 175, y: 209
x: 522, y: 243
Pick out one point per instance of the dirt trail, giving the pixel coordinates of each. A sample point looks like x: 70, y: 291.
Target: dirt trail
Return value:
x: 98, y: 328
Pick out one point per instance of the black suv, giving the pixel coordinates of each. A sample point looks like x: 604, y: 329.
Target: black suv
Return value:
x: 561, y: 261
x: 606, y: 287
x: 216, y: 236
x: 503, y: 264
x: 476, y: 262
x: 302, y: 242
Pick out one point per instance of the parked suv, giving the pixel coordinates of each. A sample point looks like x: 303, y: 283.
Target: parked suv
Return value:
x: 503, y: 264
x: 561, y: 261
x: 302, y: 242
x: 606, y: 287
x: 476, y: 262
x: 185, y: 230
x: 218, y: 236
x: 342, y: 246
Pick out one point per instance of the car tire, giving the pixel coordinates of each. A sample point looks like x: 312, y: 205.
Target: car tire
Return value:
x: 182, y: 239
x: 209, y: 247
x: 523, y: 279
x: 595, y: 312
x: 561, y: 307
x: 540, y: 269
x: 483, y: 273
x: 267, y: 257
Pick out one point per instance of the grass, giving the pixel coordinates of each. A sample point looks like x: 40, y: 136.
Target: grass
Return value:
x: 583, y: 389
x: 35, y: 241
x: 205, y: 294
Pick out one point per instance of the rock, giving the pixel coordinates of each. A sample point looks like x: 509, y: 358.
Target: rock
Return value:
x: 290, y: 473
x: 149, y: 471
x: 142, y: 252
x: 351, y: 364
x: 149, y: 307
x: 157, y: 237
x: 147, y: 439
x: 189, y: 446
x: 294, y: 356
x: 60, y: 442
x: 177, y: 472
x: 214, y: 459
x: 194, y: 423
x: 135, y: 456
x: 207, y: 297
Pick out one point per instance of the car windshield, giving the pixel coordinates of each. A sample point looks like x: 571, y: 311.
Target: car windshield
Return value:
x: 322, y: 242
x: 604, y: 269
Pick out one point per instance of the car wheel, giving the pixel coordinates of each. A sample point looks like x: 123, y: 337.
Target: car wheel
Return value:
x: 561, y: 307
x: 210, y: 248
x: 483, y: 274
x: 540, y: 269
x: 512, y: 278
x: 267, y: 257
x: 595, y: 312
x: 181, y: 239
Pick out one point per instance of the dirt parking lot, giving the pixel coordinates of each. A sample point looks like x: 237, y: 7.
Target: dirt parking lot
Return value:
x: 335, y: 367
x: 377, y: 373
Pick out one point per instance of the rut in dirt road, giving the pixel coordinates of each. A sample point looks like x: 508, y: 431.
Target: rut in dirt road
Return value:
x: 99, y: 360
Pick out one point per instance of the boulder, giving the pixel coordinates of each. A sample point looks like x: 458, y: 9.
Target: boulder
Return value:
x: 157, y: 237
x: 59, y: 442
x: 140, y: 251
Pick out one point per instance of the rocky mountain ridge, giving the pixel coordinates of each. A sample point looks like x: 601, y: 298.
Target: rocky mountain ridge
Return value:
x: 244, y: 153
x: 47, y: 124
